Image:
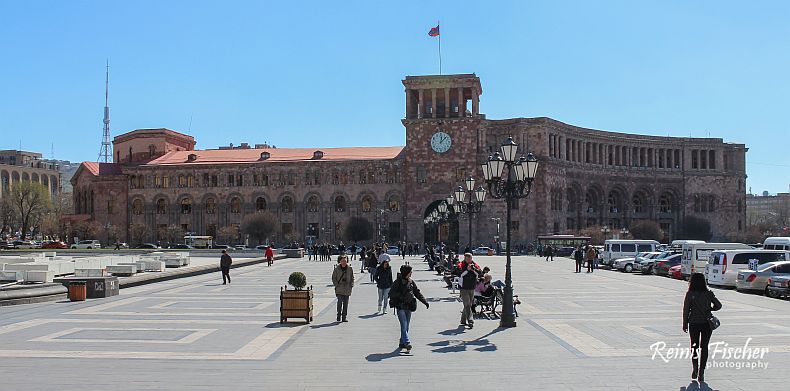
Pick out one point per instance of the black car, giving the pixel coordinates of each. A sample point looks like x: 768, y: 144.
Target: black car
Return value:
x: 148, y: 246
x: 181, y: 247
x: 564, y: 251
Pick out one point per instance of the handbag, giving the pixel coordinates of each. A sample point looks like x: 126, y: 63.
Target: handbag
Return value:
x: 713, y: 322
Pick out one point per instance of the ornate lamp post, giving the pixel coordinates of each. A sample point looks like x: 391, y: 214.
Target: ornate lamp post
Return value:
x: 468, y: 205
x: 515, y: 184
x: 605, y: 231
x: 624, y: 231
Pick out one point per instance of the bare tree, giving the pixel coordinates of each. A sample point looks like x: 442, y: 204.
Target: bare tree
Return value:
x: 259, y: 226
x: 647, y: 230
x: 358, y: 229
x: 228, y: 233
x: 7, y: 215
x: 139, y: 232
x: 30, y: 201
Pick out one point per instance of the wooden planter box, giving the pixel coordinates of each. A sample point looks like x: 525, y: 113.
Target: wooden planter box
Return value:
x: 296, y: 304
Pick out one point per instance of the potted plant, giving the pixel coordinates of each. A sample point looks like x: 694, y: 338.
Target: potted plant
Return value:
x: 297, y: 302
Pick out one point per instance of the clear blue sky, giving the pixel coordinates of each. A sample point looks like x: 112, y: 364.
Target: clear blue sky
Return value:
x: 305, y: 74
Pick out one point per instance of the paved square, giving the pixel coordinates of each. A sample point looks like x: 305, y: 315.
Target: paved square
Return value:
x: 575, y: 331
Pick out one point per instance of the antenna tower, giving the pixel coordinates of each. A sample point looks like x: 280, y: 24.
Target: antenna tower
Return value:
x: 106, y: 148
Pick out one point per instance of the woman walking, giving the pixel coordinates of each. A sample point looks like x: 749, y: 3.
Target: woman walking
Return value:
x: 403, y: 297
x: 697, y: 307
x: 383, y: 283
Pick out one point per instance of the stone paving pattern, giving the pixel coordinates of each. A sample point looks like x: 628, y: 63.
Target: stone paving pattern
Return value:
x: 575, y: 332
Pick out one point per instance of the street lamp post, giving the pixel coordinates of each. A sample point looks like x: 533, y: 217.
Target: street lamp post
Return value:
x: 516, y: 184
x: 623, y: 231
x: 468, y: 201
x: 605, y: 231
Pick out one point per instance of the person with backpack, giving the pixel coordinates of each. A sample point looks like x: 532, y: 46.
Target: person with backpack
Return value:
x: 699, y: 322
x: 403, y: 298
x: 384, y: 284
x: 343, y: 280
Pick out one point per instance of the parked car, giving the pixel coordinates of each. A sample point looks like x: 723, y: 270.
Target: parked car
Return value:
x: 181, y: 247
x: 757, y: 280
x: 675, y: 272
x: 662, y: 266
x: 23, y: 244
x: 149, y: 246
x: 392, y: 250
x: 240, y: 247
x: 643, y: 257
x: 723, y: 266
x: 54, y: 245
x: 86, y: 244
x: 779, y: 286
x: 482, y: 251
x: 564, y: 251
x: 647, y: 265
x: 222, y: 247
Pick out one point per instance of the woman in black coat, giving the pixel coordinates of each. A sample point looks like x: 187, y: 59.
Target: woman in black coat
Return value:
x: 697, y: 307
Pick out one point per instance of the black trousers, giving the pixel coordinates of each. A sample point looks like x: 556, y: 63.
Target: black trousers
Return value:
x: 225, y: 274
x: 578, y: 266
x: 700, y: 334
x: 589, y: 266
x: 342, y: 305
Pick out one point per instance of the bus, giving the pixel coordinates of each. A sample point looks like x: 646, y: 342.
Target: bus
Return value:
x: 199, y: 241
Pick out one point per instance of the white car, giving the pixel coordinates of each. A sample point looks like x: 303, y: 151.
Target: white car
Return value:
x: 86, y: 244
x: 482, y: 251
x: 23, y: 244
x: 392, y: 250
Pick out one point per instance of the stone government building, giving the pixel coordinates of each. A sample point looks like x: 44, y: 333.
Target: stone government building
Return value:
x: 586, y: 177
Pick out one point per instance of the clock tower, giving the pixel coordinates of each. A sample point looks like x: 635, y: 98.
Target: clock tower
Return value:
x: 444, y: 143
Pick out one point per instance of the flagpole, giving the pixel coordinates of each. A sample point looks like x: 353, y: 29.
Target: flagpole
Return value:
x: 440, y: 46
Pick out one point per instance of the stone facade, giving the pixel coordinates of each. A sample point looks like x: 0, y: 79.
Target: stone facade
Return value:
x: 18, y: 166
x: 586, y: 177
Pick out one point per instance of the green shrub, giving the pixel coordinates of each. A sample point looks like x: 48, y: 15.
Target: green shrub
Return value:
x: 297, y: 280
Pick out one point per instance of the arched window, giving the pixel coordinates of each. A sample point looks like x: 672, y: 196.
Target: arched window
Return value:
x: 211, y: 206
x: 182, y: 180
x: 287, y: 204
x: 340, y: 204
x: 665, y: 203
x: 161, y: 206
x: 312, y: 204
x: 137, y: 207
x: 235, y: 205
x: 394, y: 204
x: 571, y: 201
x: 367, y: 204
x: 613, y: 202
x: 260, y: 204
x: 141, y: 181
x: 638, y: 203
x: 591, y: 201
x: 186, y: 206
x: 151, y: 150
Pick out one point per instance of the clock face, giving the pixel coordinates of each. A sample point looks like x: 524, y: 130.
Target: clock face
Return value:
x: 440, y: 142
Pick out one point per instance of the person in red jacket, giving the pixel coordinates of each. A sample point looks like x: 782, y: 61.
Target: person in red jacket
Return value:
x: 269, y: 254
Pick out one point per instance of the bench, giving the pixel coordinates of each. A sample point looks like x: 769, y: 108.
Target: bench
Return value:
x: 122, y: 270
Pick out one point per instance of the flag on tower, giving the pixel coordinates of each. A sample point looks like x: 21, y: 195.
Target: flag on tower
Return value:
x: 434, y: 32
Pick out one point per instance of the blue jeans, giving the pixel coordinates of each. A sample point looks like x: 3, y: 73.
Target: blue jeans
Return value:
x: 404, y: 317
x: 384, y: 294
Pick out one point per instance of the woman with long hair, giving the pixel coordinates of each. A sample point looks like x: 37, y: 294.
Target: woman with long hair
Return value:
x: 697, y: 307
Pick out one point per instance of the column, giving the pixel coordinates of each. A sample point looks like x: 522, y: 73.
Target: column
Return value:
x: 421, y: 108
x: 475, y: 102
x: 461, y: 102
x: 433, y: 103
x: 408, y: 103
x: 560, y: 147
x: 447, y: 108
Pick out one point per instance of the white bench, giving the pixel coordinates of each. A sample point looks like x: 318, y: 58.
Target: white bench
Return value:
x: 122, y: 270
x: 90, y: 272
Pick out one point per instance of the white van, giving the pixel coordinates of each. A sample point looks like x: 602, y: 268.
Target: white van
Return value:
x: 677, y: 245
x: 777, y: 243
x: 622, y: 248
x: 723, y: 266
x: 696, y: 255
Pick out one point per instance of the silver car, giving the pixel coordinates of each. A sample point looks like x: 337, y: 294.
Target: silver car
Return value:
x: 757, y: 280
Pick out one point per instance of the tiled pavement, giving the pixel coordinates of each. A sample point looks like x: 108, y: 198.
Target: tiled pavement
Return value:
x: 576, y: 331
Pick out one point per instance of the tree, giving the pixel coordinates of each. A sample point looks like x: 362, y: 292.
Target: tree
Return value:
x: 86, y: 229
x: 228, y: 233
x: 7, y: 215
x: 259, y: 226
x: 696, y: 228
x: 646, y: 229
x: 358, y: 229
x: 139, y: 232
x: 595, y: 234
x: 30, y: 201
x: 174, y: 233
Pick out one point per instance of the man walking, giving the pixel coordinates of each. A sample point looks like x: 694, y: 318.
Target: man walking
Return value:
x: 590, y: 255
x: 224, y: 265
x: 578, y: 255
x: 549, y: 253
x: 469, y: 274
x: 343, y: 280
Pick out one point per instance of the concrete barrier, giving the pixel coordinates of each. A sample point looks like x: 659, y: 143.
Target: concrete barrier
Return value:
x: 122, y: 270
x: 90, y: 272
x: 39, y: 276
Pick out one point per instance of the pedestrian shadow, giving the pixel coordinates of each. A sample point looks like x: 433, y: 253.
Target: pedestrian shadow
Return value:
x: 217, y: 284
x: 286, y: 325
x: 456, y: 346
x: 458, y: 330
x: 368, y: 316
x: 443, y: 299
x: 320, y: 326
x: 695, y: 386
x: 375, y: 357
